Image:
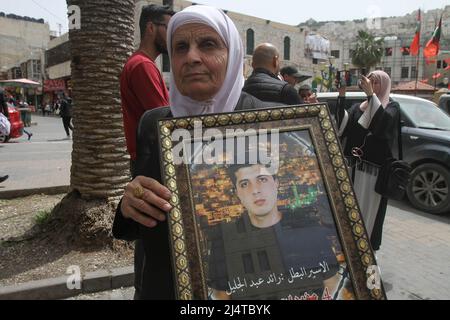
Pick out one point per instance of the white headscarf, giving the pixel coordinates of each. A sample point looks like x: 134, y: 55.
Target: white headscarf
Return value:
x: 228, y: 96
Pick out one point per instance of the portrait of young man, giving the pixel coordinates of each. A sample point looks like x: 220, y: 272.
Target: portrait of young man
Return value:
x: 269, y: 252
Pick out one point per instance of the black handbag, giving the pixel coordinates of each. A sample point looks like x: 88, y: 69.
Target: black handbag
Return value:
x: 394, y: 175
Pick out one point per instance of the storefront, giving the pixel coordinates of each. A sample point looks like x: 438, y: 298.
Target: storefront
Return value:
x: 54, y: 88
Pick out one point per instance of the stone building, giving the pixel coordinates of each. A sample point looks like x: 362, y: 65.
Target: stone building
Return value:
x: 23, y: 40
x: 398, y: 33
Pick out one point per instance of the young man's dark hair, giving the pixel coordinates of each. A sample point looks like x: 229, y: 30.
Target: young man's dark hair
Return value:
x: 233, y: 168
x: 153, y: 13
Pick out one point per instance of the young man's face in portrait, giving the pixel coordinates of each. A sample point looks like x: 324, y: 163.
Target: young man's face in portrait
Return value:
x: 257, y: 190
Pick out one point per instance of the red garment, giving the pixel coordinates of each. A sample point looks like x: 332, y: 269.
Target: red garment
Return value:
x: 142, y: 88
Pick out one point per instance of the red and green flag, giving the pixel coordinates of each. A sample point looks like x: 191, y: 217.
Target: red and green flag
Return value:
x: 415, y: 45
x: 432, y: 47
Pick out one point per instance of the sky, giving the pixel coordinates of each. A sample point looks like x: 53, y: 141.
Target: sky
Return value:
x: 285, y: 11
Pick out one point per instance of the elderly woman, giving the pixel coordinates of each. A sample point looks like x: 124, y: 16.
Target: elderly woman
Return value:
x: 207, y: 57
x: 369, y: 131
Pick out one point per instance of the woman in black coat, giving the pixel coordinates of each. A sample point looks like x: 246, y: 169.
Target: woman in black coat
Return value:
x: 368, y: 132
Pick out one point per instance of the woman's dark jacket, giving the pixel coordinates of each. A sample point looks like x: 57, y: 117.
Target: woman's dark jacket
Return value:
x: 379, y: 138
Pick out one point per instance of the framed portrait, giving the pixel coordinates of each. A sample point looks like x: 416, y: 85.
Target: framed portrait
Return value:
x: 263, y: 208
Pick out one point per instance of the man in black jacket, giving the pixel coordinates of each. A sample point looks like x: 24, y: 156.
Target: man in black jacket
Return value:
x: 66, y: 114
x: 264, y: 83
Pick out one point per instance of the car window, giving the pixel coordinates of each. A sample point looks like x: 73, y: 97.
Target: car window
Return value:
x: 425, y: 114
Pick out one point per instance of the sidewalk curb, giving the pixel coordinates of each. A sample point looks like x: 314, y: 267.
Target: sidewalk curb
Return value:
x: 12, y: 194
x: 56, y: 288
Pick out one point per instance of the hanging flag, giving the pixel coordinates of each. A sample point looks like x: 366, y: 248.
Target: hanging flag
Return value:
x: 415, y: 45
x: 446, y: 69
x: 432, y: 47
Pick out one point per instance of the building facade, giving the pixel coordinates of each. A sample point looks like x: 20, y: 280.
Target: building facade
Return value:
x: 22, y: 39
x: 58, y: 70
x: 398, y: 33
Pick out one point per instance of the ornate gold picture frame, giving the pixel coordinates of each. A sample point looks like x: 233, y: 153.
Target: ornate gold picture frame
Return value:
x: 318, y: 250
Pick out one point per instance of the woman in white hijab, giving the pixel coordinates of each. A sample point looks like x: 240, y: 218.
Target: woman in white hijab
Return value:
x: 207, y: 57
x: 369, y: 131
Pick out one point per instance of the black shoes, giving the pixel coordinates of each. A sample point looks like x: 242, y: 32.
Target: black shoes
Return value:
x: 2, y: 179
x: 29, y: 136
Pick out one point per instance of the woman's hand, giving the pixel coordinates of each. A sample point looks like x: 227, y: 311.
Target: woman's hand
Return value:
x: 312, y: 99
x: 366, y: 86
x: 146, y: 201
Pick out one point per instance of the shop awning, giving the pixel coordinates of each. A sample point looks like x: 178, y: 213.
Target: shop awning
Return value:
x: 20, y: 83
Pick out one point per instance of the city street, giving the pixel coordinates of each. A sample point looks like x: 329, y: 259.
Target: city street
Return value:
x: 44, y: 161
x: 415, y: 254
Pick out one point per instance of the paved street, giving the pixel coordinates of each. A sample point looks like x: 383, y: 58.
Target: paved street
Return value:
x: 44, y: 161
x: 415, y: 254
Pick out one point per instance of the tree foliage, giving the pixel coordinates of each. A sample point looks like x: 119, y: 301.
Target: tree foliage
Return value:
x: 368, y: 51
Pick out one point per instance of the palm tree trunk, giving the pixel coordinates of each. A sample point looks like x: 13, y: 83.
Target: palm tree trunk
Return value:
x: 100, y: 162
x: 99, y: 50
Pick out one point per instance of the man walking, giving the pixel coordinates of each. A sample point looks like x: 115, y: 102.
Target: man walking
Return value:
x: 142, y: 86
x: 66, y: 114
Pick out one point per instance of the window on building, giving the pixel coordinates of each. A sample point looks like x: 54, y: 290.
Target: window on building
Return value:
x: 351, y: 52
x: 405, y: 72
x: 248, y: 263
x: 336, y: 53
x: 250, y: 41
x: 165, y: 63
x: 388, y: 52
x: 439, y: 64
x: 35, y: 69
x: 315, y: 61
x: 388, y: 70
x: 414, y: 72
x: 263, y: 259
x: 287, y: 48
x: 405, y: 51
x: 444, y: 64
